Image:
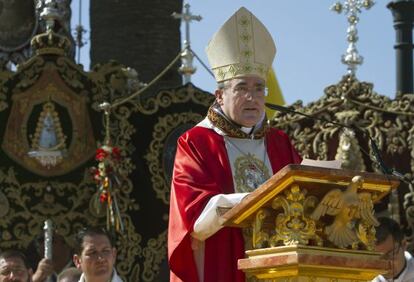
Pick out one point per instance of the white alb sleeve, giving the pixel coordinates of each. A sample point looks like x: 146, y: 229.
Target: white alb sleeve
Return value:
x: 209, y: 222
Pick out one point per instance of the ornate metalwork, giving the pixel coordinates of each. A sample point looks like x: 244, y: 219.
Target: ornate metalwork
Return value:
x: 355, y: 103
x: 260, y: 237
x: 289, y: 221
x: 294, y: 226
x: 352, y: 8
x: 51, y: 12
x: 62, y: 10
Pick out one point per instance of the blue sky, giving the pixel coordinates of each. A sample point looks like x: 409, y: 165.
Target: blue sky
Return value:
x: 310, y: 40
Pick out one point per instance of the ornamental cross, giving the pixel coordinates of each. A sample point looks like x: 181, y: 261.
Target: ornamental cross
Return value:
x: 352, y: 8
x: 187, y: 56
x: 187, y: 17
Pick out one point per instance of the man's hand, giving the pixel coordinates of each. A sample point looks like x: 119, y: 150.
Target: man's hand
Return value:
x: 43, y: 271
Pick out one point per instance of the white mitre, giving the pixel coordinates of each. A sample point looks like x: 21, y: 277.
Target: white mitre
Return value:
x: 241, y: 47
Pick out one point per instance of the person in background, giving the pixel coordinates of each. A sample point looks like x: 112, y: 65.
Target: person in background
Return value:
x: 391, y: 242
x: 14, y: 267
x: 71, y: 274
x: 224, y: 157
x: 95, y: 256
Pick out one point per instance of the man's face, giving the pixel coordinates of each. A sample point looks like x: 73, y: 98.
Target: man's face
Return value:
x: 393, y: 251
x: 97, y: 258
x: 242, y: 100
x: 13, y: 270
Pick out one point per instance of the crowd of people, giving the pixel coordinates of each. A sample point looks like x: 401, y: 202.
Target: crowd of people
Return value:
x: 93, y: 260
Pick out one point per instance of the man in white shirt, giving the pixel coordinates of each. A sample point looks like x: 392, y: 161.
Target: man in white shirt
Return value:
x: 95, y: 256
x: 391, y: 242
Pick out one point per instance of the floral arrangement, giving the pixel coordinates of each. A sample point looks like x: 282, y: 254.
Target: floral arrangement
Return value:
x: 106, y: 176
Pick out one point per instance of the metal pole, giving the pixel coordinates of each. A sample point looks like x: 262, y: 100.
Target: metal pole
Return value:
x: 403, y: 14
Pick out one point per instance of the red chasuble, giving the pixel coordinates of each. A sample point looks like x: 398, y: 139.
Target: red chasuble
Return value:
x: 201, y: 171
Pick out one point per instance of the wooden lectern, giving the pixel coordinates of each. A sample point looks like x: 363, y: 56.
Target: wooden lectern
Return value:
x: 312, y: 224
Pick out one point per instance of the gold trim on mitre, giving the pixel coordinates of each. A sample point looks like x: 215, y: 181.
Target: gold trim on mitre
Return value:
x: 242, y: 46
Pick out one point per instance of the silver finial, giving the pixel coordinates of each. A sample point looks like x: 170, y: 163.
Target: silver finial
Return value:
x: 50, y: 14
x: 352, y: 8
x: 187, y: 69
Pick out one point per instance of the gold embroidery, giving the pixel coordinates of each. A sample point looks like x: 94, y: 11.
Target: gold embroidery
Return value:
x: 231, y: 71
x: 244, y: 21
x: 250, y: 173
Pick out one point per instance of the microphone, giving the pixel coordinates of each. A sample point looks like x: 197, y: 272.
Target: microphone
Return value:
x: 385, y: 170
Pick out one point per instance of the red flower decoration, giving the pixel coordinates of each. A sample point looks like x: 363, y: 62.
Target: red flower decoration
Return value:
x: 108, y: 158
x: 105, y: 175
x: 101, y: 154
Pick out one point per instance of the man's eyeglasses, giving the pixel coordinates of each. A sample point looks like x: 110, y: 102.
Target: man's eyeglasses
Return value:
x: 392, y: 253
x: 255, y: 91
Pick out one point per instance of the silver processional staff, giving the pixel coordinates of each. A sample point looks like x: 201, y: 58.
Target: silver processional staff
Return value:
x: 48, y: 228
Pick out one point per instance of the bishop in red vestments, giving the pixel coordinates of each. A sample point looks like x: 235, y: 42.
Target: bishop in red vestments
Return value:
x: 227, y: 155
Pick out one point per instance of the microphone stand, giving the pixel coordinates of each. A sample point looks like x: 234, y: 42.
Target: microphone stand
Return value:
x: 384, y: 168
